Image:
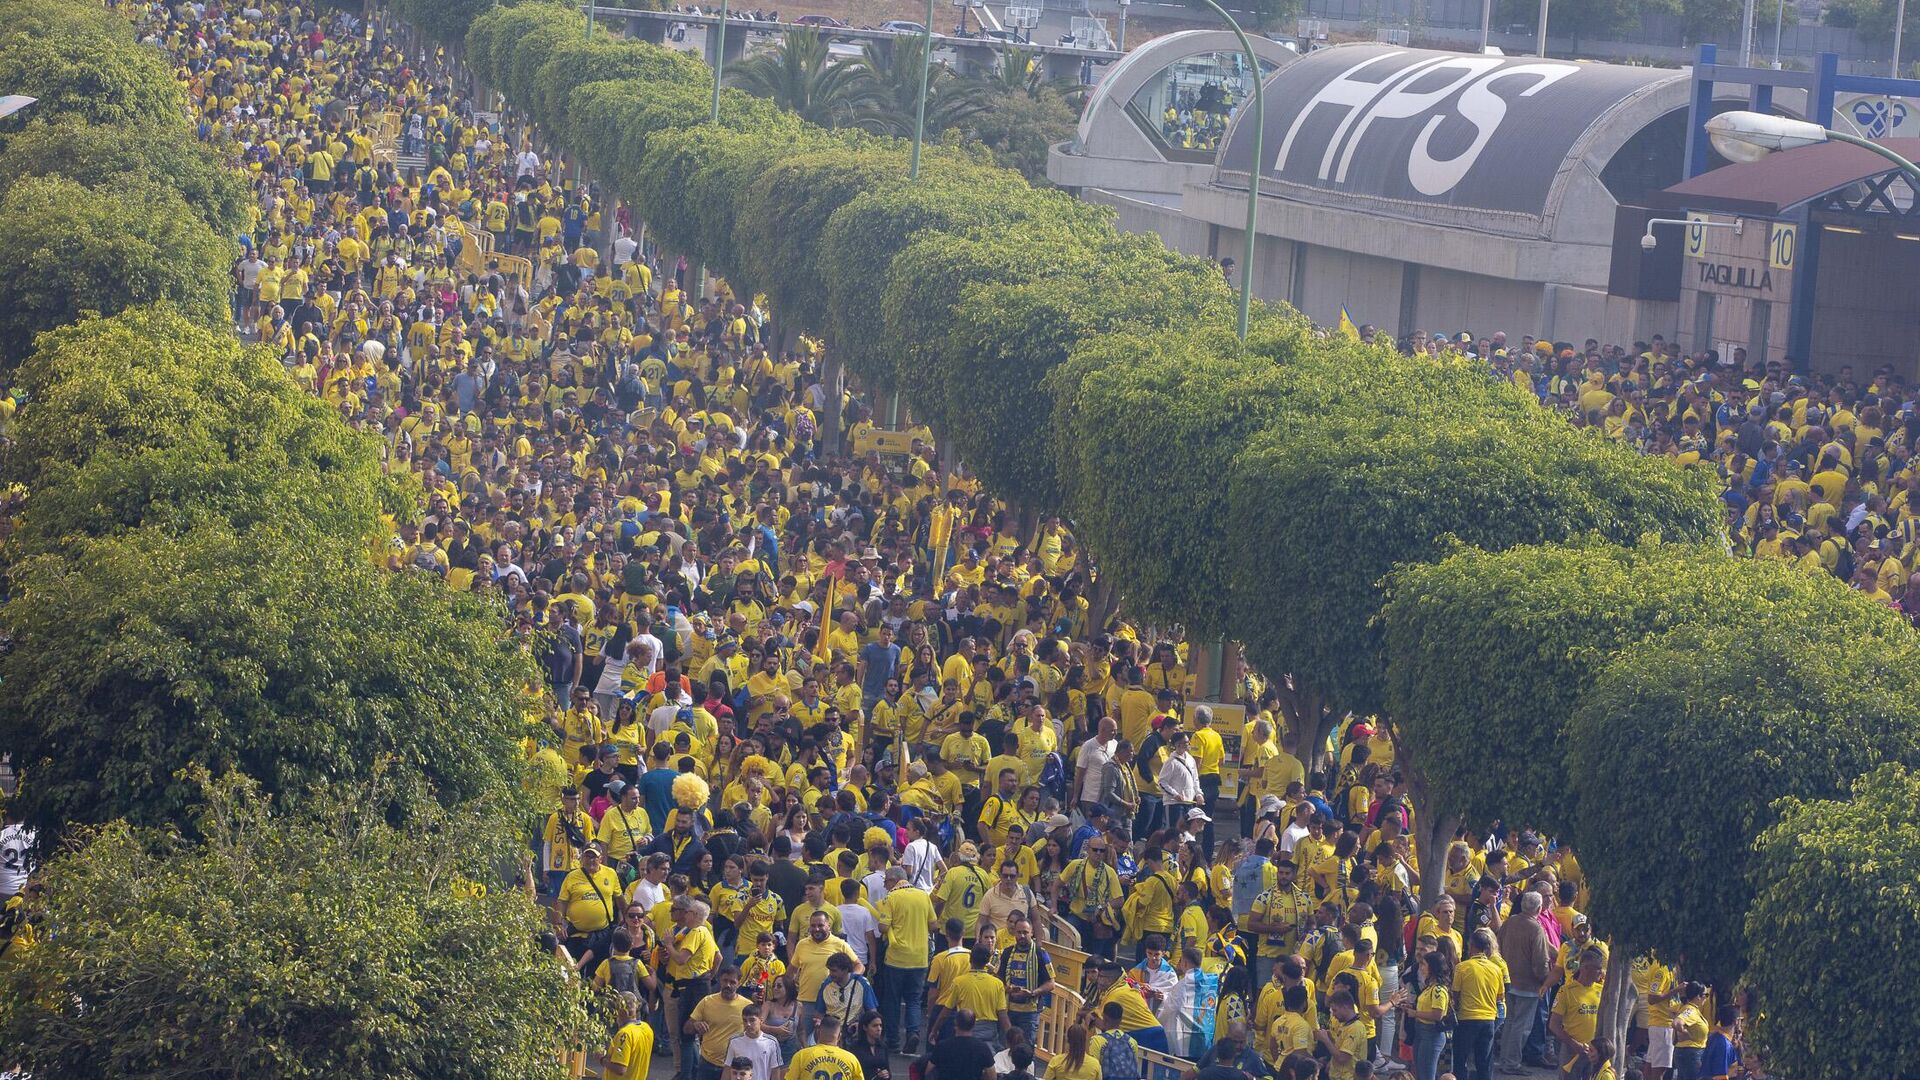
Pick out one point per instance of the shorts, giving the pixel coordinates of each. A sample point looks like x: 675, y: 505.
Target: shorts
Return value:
x: 1660, y: 1047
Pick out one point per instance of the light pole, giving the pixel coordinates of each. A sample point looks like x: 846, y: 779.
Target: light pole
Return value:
x: 920, y: 110
x: 13, y: 103
x: 1899, y: 29
x: 1486, y: 24
x: 1750, y: 136
x: 1746, y: 34
x: 719, y: 61
x: 1253, y: 166
x: 590, y: 9
x: 1541, y: 49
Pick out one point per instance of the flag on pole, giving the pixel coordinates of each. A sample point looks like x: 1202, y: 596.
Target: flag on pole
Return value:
x: 1346, y: 327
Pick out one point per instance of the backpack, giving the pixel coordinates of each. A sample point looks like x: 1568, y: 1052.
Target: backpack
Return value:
x: 622, y: 974
x: 1119, y: 1057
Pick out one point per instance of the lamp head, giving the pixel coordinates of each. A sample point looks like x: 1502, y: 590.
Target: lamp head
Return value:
x: 1749, y: 136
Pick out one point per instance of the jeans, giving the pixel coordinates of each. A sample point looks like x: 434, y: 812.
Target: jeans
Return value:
x: 1536, y: 1048
x: 1429, y: 1040
x: 1148, y: 819
x: 907, y: 986
x: 1521, y: 1005
x: 1686, y: 1062
x: 1388, y: 1026
x: 1473, y: 1049
x: 1028, y: 1023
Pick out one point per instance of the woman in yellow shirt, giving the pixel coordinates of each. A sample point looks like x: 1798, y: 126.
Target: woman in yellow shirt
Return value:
x: 1430, y: 1016
x: 1689, y: 1032
x: 1075, y: 1063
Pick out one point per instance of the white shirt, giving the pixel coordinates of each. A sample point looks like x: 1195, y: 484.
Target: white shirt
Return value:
x: 1291, y: 836
x: 1092, y: 762
x: 921, y: 859
x: 646, y: 894
x: 659, y: 650
x: 662, y: 718
x: 1180, y: 778
x: 623, y: 250
x: 856, y: 923
x: 529, y: 162
x: 763, y: 1050
x: 15, y: 842
x: 876, y: 886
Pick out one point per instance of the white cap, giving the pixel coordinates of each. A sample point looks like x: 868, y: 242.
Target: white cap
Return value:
x: 1197, y: 814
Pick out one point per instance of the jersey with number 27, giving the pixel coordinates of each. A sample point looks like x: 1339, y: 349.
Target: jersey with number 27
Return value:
x: 819, y: 1062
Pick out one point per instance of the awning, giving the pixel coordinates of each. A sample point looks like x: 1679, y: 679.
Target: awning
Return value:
x: 1779, y: 182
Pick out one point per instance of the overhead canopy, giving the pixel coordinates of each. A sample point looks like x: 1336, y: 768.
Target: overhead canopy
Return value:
x: 1483, y: 141
x: 1779, y: 182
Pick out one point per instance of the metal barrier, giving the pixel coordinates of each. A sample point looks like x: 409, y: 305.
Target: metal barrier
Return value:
x: 1155, y: 1065
x: 1055, y: 1019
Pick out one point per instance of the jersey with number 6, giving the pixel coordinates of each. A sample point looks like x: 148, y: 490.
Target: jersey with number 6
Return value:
x: 821, y: 1062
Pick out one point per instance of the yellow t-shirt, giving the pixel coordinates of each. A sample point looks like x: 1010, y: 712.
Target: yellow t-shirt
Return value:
x: 960, y: 892
x: 980, y: 991
x: 820, y: 1062
x: 1578, y: 1007
x: 1088, y: 1069
x: 810, y: 962
x: 1208, y: 750
x: 1134, y: 1013
x: 589, y: 903
x: 722, y: 1018
x: 706, y: 953
x: 1349, y: 1038
x: 1689, y: 1028
x: 632, y: 1049
x: 1478, y: 982
x: 1290, y: 1032
x: 908, y: 915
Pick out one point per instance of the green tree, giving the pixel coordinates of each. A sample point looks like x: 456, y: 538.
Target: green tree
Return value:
x: 1145, y: 426
x: 800, y: 76
x: 147, y: 418
x: 1360, y: 476
x: 891, y: 71
x: 1677, y: 754
x: 261, y: 651
x: 1872, y: 18
x: 66, y: 248
x: 1834, y: 927
x: 1020, y: 128
x: 1587, y: 19
x: 109, y: 156
x: 93, y: 77
x: 319, y: 942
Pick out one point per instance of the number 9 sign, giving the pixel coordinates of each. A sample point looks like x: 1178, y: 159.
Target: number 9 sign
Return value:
x: 1696, y: 236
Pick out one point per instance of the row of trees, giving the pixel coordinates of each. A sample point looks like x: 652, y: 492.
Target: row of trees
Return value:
x: 1551, y: 624
x: 1011, y: 111
x: 267, y: 774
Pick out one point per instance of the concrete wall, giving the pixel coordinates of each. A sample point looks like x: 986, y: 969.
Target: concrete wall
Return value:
x: 1182, y: 234
x: 1737, y: 315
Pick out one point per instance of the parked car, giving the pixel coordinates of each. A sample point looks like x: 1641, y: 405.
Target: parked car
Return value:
x: 1007, y: 36
x: 902, y: 26
x: 825, y: 22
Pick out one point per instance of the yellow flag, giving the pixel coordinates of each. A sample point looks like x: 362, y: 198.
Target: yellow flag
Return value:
x: 1346, y: 326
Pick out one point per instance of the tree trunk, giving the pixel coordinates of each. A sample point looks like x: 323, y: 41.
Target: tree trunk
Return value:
x: 1306, y: 711
x: 1617, y: 1001
x: 1103, y: 599
x: 830, y: 381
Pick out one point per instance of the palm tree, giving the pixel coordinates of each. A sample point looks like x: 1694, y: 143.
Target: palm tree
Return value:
x: 891, y: 74
x: 800, y: 76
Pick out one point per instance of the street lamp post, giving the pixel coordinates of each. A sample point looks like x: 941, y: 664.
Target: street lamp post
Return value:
x: 920, y: 110
x: 719, y: 61
x: 590, y: 11
x: 1750, y: 136
x: 1253, y: 167
x: 1541, y: 50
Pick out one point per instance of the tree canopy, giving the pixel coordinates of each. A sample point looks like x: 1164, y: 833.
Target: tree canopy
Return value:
x: 1836, y: 919
x: 318, y: 942
x: 1678, y: 752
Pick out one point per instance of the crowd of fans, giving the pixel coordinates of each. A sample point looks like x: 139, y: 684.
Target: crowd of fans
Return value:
x: 834, y: 756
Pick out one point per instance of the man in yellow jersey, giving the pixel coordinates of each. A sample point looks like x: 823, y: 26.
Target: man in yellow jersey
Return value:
x: 1136, y: 1019
x: 715, y: 1021
x: 907, y: 915
x: 566, y: 832
x: 692, y: 954
x: 631, y: 1050
x: 1576, y: 1009
x: 809, y: 962
x: 978, y: 991
x: 589, y: 902
x: 961, y: 889
x: 1207, y: 749
x: 825, y: 1059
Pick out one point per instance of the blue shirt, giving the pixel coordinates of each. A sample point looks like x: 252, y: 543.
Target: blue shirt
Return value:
x: 881, y: 661
x: 656, y: 791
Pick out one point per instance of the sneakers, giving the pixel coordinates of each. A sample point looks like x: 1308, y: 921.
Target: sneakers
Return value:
x: 911, y: 1046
